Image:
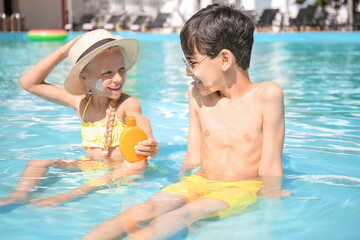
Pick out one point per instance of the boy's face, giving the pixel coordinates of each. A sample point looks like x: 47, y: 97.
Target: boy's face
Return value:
x: 205, y: 71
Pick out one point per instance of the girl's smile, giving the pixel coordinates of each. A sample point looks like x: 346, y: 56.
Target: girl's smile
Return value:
x: 115, y: 88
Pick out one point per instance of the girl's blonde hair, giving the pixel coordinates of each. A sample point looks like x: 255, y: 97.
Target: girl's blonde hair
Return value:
x: 109, y: 122
x: 110, y: 111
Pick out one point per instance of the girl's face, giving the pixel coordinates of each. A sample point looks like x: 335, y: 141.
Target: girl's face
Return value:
x: 106, y: 73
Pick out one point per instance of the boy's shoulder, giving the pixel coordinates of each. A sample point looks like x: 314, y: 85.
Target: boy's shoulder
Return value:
x: 193, y: 91
x: 191, y: 86
x: 268, y: 98
x: 196, y: 97
x: 268, y: 90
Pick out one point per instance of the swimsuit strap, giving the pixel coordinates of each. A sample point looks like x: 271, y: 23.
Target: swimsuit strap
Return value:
x: 87, y: 104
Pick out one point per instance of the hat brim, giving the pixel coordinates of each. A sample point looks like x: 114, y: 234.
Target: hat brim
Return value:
x: 130, y: 51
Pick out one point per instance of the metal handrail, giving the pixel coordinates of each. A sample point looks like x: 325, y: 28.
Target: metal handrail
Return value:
x: 3, y: 20
x: 14, y: 16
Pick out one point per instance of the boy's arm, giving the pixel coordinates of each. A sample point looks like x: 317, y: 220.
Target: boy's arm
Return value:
x: 127, y: 172
x: 192, y: 157
x: 270, y: 167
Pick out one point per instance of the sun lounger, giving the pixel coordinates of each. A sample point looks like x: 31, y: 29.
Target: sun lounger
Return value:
x: 113, y: 22
x: 139, y: 23
x: 159, y: 21
x: 356, y: 24
x: 267, y: 18
x: 304, y: 18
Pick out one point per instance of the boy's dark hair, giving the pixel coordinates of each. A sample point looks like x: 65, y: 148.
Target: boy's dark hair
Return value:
x: 218, y: 27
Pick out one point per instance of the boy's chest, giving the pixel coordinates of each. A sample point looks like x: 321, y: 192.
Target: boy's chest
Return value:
x: 239, y: 121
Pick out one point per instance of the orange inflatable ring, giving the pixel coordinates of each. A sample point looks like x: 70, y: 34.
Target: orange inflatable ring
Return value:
x: 47, y: 34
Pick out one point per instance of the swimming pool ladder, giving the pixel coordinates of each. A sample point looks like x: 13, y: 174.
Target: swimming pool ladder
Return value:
x: 3, y: 22
x: 15, y: 17
x: 15, y: 21
x: 14, y: 24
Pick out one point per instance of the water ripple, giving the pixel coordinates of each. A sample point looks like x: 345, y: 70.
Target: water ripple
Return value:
x: 334, y: 180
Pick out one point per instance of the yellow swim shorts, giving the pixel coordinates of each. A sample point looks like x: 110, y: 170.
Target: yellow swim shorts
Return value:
x: 238, y: 194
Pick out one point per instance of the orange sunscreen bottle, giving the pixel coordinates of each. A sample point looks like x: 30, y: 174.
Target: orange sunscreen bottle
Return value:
x: 129, y: 138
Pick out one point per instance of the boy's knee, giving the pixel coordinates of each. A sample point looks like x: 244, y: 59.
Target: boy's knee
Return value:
x: 169, y: 198
x: 160, y: 203
x: 146, y: 207
x: 178, y: 215
x: 201, y: 208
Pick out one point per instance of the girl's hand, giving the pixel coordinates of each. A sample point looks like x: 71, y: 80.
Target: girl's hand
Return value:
x: 147, y: 148
x: 52, y: 201
x: 66, y: 48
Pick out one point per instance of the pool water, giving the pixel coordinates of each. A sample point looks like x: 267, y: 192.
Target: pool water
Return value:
x: 320, y: 76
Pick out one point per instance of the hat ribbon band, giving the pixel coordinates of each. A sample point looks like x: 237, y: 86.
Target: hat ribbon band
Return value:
x: 94, y: 46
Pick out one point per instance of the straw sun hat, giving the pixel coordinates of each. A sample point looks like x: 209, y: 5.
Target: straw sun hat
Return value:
x: 90, y: 45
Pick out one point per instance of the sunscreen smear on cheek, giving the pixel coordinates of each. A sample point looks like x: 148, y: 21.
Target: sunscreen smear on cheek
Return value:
x: 99, y: 84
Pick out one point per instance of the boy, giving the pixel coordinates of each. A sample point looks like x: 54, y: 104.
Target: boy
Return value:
x: 236, y: 133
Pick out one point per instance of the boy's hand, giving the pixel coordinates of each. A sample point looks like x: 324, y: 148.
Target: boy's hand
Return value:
x: 52, y: 201
x: 184, y: 172
x: 273, y: 193
x: 147, y: 148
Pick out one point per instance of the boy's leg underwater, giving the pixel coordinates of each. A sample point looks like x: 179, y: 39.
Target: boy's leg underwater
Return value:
x: 169, y: 223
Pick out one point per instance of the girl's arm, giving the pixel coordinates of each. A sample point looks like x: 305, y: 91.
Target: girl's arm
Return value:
x: 34, y: 79
x: 148, y: 147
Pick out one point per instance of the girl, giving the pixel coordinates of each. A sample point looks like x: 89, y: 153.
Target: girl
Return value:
x: 93, y: 88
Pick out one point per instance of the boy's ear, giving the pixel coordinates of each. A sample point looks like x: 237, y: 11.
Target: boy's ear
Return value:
x: 226, y: 58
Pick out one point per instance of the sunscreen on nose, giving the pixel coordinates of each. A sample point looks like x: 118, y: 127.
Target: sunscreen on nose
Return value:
x: 198, y: 75
x: 99, y: 84
x: 129, y: 138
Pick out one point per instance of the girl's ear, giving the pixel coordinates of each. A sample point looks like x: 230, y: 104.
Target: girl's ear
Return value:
x: 226, y: 58
x: 83, y: 78
x: 84, y: 82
